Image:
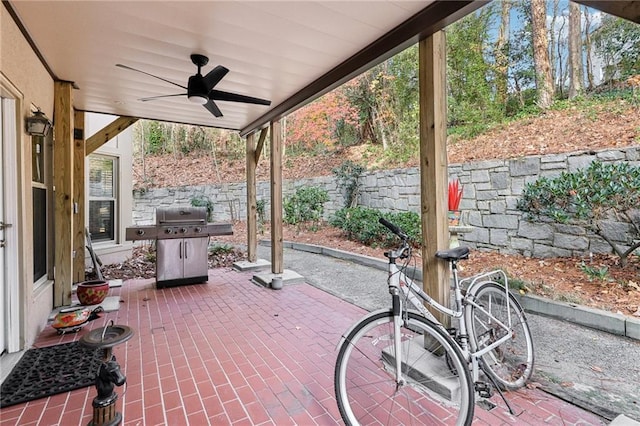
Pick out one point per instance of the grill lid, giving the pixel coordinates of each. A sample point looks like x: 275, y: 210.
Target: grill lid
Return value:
x: 186, y: 215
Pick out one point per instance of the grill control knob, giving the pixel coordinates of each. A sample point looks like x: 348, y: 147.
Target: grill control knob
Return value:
x: 197, y: 229
x: 140, y: 232
x: 183, y: 230
x: 168, y: 231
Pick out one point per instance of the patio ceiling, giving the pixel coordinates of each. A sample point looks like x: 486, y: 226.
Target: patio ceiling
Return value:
x: 287, y: 52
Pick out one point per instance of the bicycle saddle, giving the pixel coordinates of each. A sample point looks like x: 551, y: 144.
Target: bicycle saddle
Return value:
x: 457, y: 253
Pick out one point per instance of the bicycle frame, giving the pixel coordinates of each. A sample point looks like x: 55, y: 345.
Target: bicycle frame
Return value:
x: 414, y: 294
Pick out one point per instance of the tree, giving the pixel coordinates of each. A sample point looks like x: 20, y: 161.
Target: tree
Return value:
x: 617, y: 41
x: 470, y: 76
x: 592, y: 198
x: 588, y: 50
x: 544, y: 80
x: 323, y: 123
x: 576, y: 85
x: 502, y: 54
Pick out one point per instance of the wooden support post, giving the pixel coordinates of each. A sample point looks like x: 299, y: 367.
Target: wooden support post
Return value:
x: 252, y: 208
x: 78, y: 196
x: 277, y: 264
x: 107, y: 133
x: 63, y: 181
x: 433, y: 167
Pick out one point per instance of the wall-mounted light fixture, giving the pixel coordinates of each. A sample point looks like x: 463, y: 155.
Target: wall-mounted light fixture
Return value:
x: 38, y: 124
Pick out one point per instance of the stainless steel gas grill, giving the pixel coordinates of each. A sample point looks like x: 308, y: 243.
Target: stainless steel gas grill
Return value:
x: 182, y: 235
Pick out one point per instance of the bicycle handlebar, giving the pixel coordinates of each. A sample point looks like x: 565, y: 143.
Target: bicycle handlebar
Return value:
x: 393, y: 228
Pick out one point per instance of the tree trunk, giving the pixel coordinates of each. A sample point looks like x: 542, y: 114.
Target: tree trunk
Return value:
x: 502, y: 55
x: 561, y: 75
x: 587, y: 44
x: 544, y: 81
x: 576, y: 85
x: 552, y: 42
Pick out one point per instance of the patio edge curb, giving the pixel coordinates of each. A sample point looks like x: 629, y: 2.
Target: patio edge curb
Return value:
x: 618, y: 324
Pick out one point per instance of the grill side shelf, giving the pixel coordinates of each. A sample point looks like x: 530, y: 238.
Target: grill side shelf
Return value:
x: 219, y: 229
x: 144, y: 232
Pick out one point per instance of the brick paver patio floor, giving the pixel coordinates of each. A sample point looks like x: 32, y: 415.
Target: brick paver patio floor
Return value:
x: 231, y: 352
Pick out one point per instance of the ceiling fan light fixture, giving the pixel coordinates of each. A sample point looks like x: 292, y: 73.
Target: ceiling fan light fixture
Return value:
x: 197, y: 90
x: 198, y: 99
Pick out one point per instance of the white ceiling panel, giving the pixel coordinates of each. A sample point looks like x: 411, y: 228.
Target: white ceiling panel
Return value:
x: 272, y: 49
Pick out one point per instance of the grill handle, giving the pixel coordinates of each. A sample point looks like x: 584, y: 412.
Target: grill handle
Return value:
x: 181, y: 221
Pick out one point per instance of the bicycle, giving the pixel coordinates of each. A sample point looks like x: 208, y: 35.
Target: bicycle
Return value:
x: 402, y: 366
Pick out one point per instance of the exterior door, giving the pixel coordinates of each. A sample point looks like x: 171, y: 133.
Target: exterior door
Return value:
x: 9, y: 282
x: 3, y: 289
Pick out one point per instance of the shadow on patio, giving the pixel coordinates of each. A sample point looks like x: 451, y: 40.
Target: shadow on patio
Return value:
x: 231, y: 352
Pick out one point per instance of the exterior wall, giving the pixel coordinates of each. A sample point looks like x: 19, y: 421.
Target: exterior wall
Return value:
x: 491, y: 190
x: 24, y: 78
x: 120, y: 147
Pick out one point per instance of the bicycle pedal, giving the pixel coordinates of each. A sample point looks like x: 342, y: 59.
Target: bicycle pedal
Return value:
x: 485, y: 404
x: 484, y: 389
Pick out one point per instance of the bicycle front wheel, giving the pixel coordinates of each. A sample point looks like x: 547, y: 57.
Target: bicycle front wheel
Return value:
x: 511, y: 363
x: 434, y: 385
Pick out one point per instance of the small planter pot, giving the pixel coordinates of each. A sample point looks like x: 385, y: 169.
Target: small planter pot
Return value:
x: 92, y: 292
x: 454, y: 217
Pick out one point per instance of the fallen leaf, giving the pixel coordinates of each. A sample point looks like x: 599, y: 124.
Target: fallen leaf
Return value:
x: 566, y: 384
x: 596, y: 369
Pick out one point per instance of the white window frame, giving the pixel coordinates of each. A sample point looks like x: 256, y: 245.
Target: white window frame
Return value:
x: 115, y: 198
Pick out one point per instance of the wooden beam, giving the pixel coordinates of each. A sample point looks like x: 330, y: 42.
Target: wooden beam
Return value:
x: 252, y: 206
x: 277, y: 264
x: 78, y: 196
x: 433, y: 167
x: 624, y: 9
x: 434, y: 17
x: 63, y: 182
x: 263, y: 136
x: 109, y: 132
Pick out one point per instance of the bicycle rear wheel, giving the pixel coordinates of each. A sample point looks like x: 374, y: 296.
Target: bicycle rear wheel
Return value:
x: 511, y: 363
x: 430, y: 390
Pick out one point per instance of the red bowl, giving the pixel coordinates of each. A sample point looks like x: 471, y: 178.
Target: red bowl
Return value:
x: 92, y: 292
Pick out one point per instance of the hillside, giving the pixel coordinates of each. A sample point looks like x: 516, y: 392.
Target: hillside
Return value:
x: 606, y: 125
x: 612, y: 124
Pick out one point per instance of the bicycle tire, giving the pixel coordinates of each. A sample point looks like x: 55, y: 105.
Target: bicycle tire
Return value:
x: 365, y: 384
x: 510, y: 364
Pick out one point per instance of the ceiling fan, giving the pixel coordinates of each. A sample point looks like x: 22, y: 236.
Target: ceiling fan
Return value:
x: 200, y: 89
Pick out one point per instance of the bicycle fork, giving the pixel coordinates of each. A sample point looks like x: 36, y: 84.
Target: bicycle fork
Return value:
x: 397, y: 337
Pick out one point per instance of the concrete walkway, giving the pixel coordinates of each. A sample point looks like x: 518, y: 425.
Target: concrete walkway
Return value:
x: 594, y: 370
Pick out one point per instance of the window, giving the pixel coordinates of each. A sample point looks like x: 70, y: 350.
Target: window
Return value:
x: 102, y: 197
x: 42, y: 202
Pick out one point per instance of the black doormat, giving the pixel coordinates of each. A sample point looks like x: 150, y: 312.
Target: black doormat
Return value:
x: 42, y: 372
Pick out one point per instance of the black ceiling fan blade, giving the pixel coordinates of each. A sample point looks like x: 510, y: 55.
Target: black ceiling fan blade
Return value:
x: 153, y: 98
x: 219, y: 95
x: 126, y: 67
x: 214, y: 76
x: 213, y: 108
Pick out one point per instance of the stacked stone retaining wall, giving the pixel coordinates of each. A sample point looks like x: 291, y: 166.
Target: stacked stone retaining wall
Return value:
x: 491, y: 191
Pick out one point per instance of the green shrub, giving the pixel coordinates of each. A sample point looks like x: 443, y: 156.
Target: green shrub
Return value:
x: 306, y: 205
x: 361, y: 224
x: 589, y: 198
x: 204, y: 201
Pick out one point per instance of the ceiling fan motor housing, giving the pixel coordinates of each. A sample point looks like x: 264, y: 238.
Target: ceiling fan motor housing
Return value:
x: 197, y: 89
